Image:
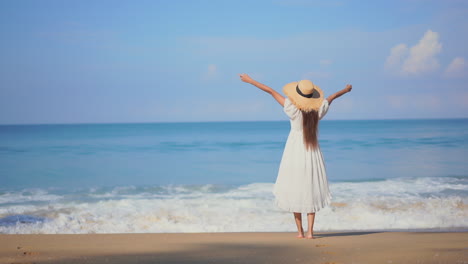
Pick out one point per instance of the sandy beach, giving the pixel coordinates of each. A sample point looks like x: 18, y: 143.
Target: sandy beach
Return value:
x: 332, y: 247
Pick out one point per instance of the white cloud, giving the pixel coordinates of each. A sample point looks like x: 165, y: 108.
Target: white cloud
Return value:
x: 422, y: 56
x: 429, y: 102
x: 456, y: 68
x: 325, y: 62
x: 313, y: 3
x: 211, y: 72
x: 462, y: 100
x: 345, y: 105
x: 397, y: 54
x: 419, y: 59
x: 317, y: 75
x: 397, y: 101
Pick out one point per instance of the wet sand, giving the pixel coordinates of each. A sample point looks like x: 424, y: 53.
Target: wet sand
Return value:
x: 331, y: 247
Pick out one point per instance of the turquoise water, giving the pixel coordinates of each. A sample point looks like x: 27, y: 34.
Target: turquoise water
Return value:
x: 46, y: 170
x: 88, y: 155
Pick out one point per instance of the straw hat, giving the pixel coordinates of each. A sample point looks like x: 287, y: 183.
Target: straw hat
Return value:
x: 305, y: 95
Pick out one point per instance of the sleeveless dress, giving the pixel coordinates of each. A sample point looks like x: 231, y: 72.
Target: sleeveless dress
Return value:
x: 301, y: 185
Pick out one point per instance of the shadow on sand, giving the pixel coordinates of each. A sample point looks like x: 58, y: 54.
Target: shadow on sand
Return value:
x: 274, y: 251
x: 340, y: 234
x: 202, y: 253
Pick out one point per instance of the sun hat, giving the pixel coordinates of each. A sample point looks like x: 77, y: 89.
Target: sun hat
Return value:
x: 304, y: 94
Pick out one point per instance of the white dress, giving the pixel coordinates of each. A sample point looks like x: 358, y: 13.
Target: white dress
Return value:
x: 302, y: 184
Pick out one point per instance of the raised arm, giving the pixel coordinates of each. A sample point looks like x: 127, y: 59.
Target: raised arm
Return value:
x: 332, y: 97
x: 278, y: 97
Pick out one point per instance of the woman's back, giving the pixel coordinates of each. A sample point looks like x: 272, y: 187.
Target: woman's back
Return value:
x: 295, y: 115
x: 301, y: 185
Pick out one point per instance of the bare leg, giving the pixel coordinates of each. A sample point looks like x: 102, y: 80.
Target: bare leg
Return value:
x: 300, y: 231
x: 310, y: 222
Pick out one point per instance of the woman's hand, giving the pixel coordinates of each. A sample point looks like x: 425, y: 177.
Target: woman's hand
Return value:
x: 246, y: 78
x: 348, y: 88
x: 278, y: 97
x: 332, y: 97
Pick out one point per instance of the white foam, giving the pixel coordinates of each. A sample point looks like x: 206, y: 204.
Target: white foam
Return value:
x: 391, y: 204
x: 28, y: 195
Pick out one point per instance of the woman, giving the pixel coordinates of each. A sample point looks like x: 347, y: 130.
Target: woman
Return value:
x: 302, y: 184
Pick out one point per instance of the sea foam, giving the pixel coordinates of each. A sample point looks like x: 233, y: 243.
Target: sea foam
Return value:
x: 394, y: 204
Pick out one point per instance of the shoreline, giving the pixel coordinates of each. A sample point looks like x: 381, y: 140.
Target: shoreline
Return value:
x: 237, y: 247
x: 401, y: 230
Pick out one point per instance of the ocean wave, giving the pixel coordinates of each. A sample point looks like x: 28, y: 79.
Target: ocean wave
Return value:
x: 27, y: 195
x: 392, y: 204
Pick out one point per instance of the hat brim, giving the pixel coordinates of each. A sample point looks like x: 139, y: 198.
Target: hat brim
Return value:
x: 303, y: 103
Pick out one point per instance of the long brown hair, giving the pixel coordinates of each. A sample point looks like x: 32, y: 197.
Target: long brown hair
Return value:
x: 310, y: 129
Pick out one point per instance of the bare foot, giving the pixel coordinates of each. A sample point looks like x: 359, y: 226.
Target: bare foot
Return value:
x: 310, y: 236
x: 301, y: 234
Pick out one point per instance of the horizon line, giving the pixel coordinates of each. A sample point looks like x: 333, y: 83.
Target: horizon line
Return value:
x: 223, y: 121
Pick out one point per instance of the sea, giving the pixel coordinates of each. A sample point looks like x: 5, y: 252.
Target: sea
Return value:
x: 218, y: 177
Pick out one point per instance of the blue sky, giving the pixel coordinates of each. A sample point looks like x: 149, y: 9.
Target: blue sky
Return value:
x: 169, y: 61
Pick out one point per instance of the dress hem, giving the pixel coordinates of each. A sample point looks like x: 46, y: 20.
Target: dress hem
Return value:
x: 296, y: 208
